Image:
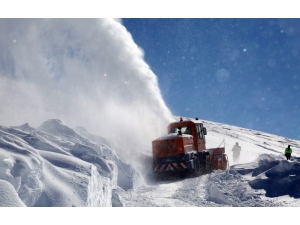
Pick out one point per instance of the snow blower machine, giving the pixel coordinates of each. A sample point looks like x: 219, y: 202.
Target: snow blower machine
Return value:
x: 183, y: 150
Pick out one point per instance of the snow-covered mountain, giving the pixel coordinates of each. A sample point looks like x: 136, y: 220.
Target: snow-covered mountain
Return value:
x: 56, y: 165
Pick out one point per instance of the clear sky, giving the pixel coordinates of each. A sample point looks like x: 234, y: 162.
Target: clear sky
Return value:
x: 243, y: 72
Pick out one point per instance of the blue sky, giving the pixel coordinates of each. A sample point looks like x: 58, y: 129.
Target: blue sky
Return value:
x: 243, y: 72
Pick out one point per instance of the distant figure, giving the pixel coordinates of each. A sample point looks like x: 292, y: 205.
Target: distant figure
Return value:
x: 287, y: 152
x: 236, y: 149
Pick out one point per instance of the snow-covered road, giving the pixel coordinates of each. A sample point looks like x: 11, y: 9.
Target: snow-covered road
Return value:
x: 176, y: 192
x: 218, y: 189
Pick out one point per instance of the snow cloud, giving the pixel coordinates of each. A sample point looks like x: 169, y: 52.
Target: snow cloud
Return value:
x: 86, y: 72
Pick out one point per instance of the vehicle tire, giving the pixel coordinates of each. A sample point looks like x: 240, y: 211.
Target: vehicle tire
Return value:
x: 207, y: 165
x: 197, y: 170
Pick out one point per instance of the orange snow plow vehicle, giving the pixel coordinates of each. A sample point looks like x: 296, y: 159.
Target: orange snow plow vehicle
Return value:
x: 183, y: 149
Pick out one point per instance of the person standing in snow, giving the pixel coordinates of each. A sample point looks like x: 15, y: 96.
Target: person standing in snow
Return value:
x: 287, y: 152
x: 236, y: 149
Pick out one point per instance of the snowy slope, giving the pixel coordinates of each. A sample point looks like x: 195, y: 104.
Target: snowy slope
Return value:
x: 253, y: 182
x: 253, y: 142
x: 55, y: 165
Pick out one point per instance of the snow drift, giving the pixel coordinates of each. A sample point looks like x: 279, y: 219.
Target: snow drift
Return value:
x: 54, y: 166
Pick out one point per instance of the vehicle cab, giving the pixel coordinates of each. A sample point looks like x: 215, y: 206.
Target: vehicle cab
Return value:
x: 190, y: 127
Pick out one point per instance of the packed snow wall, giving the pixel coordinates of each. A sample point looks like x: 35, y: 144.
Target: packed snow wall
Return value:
x: 54, y: 166
x: 86, y: 72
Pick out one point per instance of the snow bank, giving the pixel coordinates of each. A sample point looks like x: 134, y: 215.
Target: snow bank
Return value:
x: 99, y: 190
x: 127, y: 176
x: 8, y: 195
x: 105, y: 167
x: 231, y: 189
x: 20, y: 165
x: 278, y: 178
x: 55, y: 166
x: 273, y: 174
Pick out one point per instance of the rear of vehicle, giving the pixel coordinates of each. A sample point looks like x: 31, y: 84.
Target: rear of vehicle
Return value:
x: 173, y: 152
x: 184, y: 149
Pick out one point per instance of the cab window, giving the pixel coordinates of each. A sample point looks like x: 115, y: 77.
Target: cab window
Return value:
x: 202, y: 132
x: 184, y: 130
x: 199, y: 131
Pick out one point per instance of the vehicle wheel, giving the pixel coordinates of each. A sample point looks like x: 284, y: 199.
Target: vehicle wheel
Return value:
x: 207, y: 165
x: 197, y: 169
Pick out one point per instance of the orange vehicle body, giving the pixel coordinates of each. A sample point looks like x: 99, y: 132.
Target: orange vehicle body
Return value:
x: 184, y: 148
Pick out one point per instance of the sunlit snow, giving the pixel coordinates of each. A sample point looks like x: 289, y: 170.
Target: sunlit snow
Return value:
x: 53, y: 165
x: 79, y: 109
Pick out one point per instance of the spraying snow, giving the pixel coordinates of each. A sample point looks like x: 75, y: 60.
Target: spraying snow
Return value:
x: 87, y: 72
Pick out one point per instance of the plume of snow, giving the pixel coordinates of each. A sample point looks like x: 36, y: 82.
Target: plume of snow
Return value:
x: 86, y: 72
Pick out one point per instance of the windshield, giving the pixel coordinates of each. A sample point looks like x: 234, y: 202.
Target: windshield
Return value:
x: 184, y: 130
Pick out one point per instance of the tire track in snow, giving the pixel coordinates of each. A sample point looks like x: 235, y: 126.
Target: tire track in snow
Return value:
x: 160, y: 194
x: 192, y: 191
x: 188, y: 192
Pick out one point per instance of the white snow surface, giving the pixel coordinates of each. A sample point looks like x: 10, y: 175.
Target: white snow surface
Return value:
x: 55, y: 165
